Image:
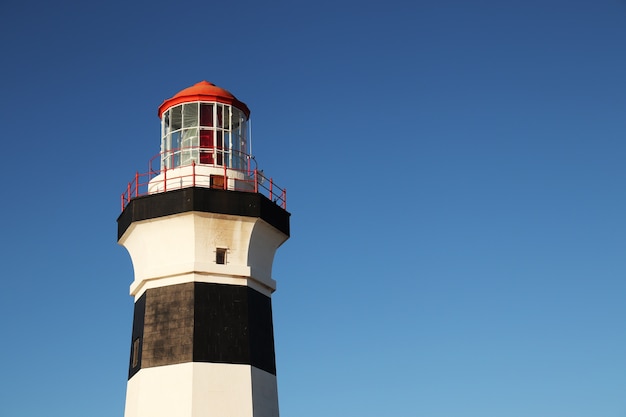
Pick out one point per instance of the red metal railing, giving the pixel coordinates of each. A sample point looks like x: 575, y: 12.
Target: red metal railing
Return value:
x: 249, y: 180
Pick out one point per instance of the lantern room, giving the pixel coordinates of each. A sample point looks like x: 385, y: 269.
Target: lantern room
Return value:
x: 204, y: 140
x: 206, y: 125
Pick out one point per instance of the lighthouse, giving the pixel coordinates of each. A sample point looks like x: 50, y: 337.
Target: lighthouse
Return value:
x: 202, y: 226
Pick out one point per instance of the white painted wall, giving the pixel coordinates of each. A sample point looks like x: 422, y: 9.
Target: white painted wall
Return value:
x: 202, y: 390
x: 181, y: 248
x: 183, y: 177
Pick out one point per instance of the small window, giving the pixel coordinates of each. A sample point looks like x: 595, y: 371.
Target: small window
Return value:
x: 135, y: 354
x: 220, y: 256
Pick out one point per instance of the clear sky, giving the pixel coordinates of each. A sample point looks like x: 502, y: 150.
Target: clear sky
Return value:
x: 455, y: 172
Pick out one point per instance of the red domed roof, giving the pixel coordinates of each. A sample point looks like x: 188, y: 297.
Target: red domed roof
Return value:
x: 203, y: 91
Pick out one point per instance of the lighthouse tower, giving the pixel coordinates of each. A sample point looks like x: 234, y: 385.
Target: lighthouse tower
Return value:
x: 202, y: 227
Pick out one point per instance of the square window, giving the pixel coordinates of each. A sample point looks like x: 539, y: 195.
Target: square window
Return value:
x: 220, y: 256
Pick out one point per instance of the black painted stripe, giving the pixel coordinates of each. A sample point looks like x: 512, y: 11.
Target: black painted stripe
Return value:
x: 205, y: 200
x: 204, y: 322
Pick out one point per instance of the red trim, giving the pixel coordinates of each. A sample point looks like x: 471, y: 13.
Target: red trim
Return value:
x: 203, y: 91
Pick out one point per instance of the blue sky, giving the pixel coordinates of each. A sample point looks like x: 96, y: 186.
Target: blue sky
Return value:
x: 455, y: 173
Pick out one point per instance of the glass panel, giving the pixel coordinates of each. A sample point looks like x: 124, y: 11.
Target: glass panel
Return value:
x: 236, y: 118
x: 206, y: 146
x: 206, y: 115
x: 220, y: 115
x: 190, y: 115
x: 243, y: 134
x: 189, y: 144
x: 227, y: 147
x: 165, y: 128
x: 220, y: 145
x: 174, y: 150
x: 175, y: 143
x: 226, y: 120
x: 177, y: 118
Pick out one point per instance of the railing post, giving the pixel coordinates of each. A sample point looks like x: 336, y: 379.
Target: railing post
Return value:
x: 256, y: 180
x: 136, y: 183
x: 128, y: 193
x: 284, y: 199
x: 122, y: 201
x: 193, y: 173
x: 165, y: 179
x: 225, y: 177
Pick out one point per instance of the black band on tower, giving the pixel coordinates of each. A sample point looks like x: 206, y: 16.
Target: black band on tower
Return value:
x: 202, y: 322
x: 208, y: 200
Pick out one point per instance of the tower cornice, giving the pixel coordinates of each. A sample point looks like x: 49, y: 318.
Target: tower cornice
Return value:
x: 207, y: 200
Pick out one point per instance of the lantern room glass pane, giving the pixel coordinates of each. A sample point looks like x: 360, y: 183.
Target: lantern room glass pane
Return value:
x: 206, y: 146
x: 226, y: 119
x: 190, y: 115
x: 189, y: 145
x: 166, y: 124
x: 174, y: 149
x: 238, y: 139
x: 206, y: 115
x: 177, y: 118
